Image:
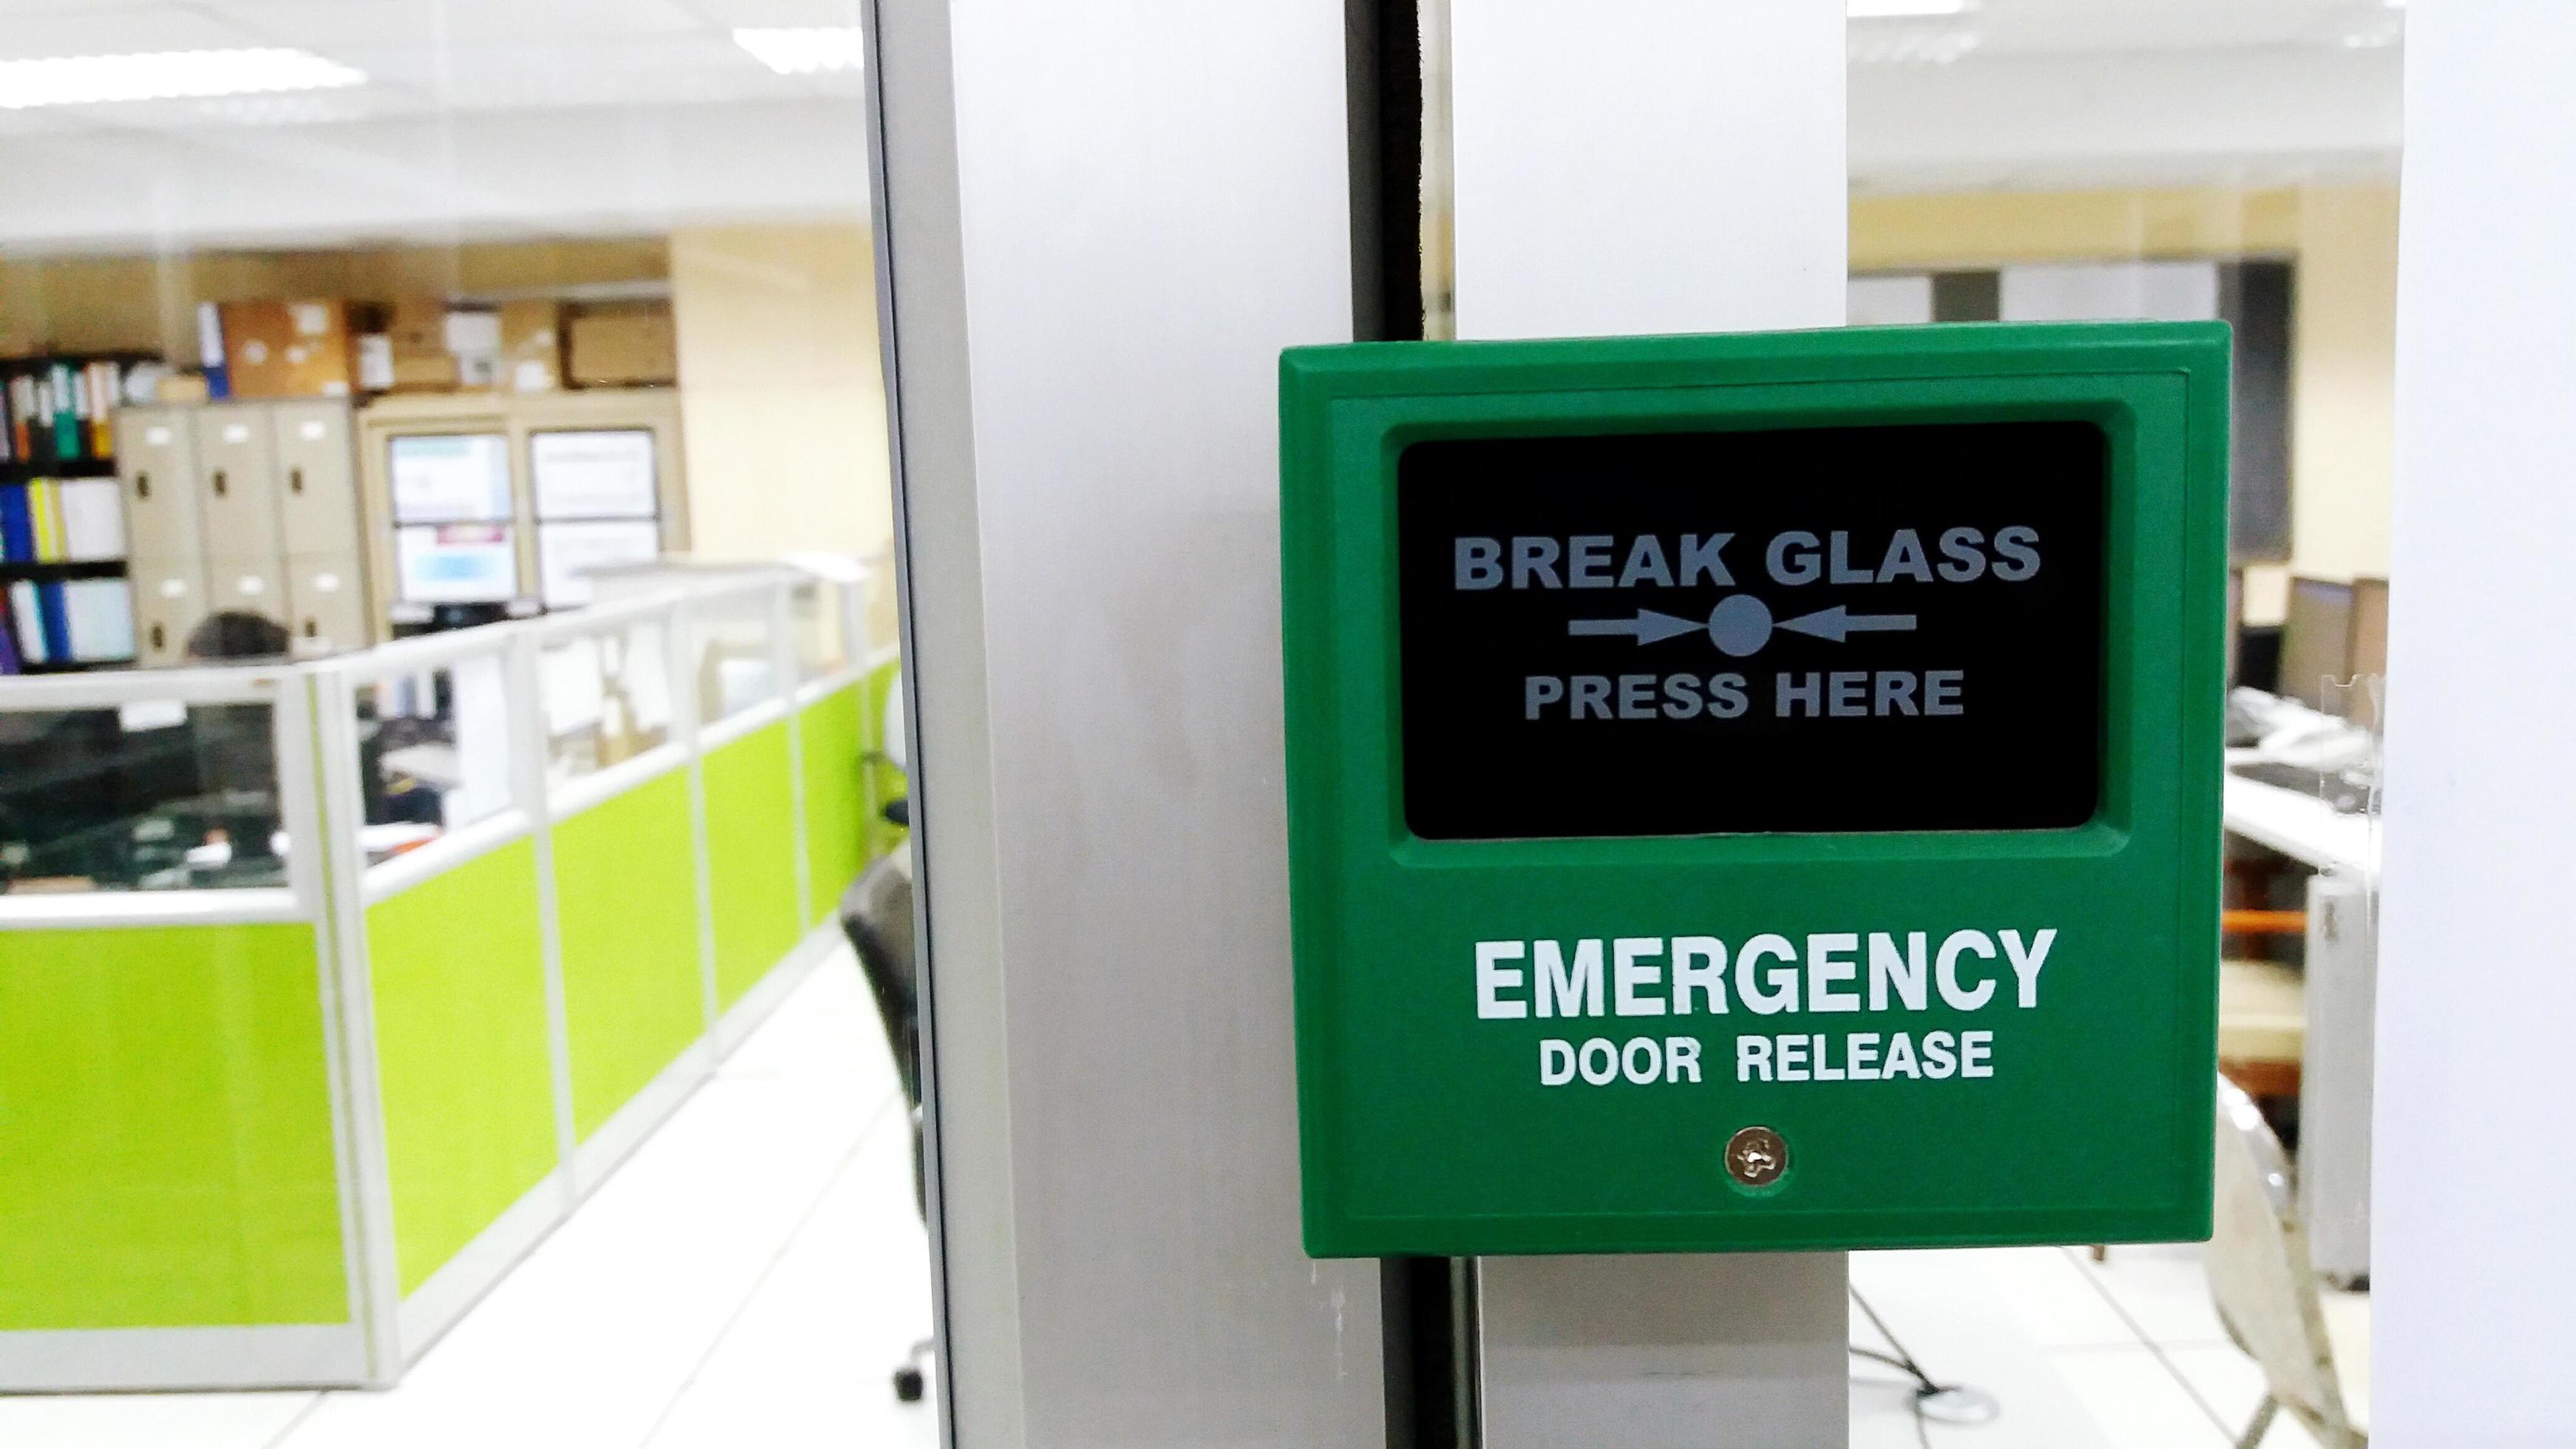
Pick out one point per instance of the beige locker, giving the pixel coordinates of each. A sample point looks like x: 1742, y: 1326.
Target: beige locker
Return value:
x: 248, y: 584
x: 317, y: 478
x: 327, y: 595
x: 156, y: 468
x: 169, y: 602
x: 237, y: 469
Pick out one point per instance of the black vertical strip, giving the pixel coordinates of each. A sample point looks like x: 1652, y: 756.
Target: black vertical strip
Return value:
x: 1382, y: 42
x: 1967, y: 296
x: 1398, y: 1332
x: 1383, y: 52
x: 1428, y: 1321
x: 1464, y: 1424
x: 2255, y: 297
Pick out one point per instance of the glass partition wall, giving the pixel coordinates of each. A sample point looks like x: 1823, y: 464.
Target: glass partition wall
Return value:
x: 377, y: 886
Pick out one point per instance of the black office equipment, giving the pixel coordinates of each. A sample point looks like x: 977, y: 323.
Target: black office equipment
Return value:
x: 876, y: 914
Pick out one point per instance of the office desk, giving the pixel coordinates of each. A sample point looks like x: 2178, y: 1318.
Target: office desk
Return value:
x: 2302, y: 827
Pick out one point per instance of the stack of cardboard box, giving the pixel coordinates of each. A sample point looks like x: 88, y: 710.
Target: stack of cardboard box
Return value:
x: 335, y: 348
x: 293, y: 349
x: 532, y: 346
x: 414, y: 351
x: 623, y: 346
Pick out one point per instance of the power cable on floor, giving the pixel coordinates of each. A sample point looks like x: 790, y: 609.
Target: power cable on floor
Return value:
x: 1950, y: 1403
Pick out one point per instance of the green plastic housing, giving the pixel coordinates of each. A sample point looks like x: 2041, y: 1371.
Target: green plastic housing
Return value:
x: 1426, y: 1128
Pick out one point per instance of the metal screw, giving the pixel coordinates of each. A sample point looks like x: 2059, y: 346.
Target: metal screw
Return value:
x: 1756, y: 1156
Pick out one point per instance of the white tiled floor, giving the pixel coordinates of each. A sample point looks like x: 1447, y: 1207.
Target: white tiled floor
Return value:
x: 2126, y: 1354
x: 754, y: 1272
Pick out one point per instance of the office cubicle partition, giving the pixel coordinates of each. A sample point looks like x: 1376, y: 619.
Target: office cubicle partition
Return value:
x: 175, y: 1175
x: 534, y: 881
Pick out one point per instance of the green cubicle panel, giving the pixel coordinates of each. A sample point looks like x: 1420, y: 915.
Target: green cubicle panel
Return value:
x: 464, y: 1065
x: 166, y: 1156
x: 831, y: 746
x: 751, y: 858
x: 626, y: 916
x: 886, y: 781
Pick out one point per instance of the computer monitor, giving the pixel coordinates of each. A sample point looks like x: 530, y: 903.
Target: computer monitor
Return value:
x: 2316, y: 642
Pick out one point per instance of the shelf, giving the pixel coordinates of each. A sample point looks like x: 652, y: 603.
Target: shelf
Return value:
x: 74, y: 666
x: 15, y: 471
x: 63, y: 568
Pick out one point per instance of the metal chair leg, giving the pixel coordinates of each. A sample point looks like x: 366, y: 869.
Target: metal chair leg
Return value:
x: 2261, y: 1425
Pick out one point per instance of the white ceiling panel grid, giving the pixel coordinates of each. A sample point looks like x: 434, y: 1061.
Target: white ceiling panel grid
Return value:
x: 325, y: 25
x: 2262, y: 116
x: 601, y: 171
x: 726, y: 14
x: 2010, y: 93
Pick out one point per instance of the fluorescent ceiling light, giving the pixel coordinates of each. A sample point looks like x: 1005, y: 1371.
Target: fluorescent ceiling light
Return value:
x: 80, y: 80
x: 1906, y: 9
x: 803, y: 49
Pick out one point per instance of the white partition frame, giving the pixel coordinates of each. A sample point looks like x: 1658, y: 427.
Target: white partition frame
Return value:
x: 591, y: 1162
x: 405, y: 1325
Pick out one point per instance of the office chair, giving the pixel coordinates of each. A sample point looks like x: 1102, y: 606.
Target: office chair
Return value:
x: 876, y: 914
x: 2266, y: 1291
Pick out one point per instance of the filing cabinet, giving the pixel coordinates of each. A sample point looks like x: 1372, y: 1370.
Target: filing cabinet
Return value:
x: 237, y: 497
x: 245, y: 507
x: 316, y: 478
x: 169, y: 603
x: 156, y: 466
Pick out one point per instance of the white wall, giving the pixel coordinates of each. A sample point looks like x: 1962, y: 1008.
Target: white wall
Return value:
x: 782, y: 399
x: 2475, y: 1183
x: 2342, y: 396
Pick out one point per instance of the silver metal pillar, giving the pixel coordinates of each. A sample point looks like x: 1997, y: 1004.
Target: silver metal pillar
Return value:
x: 1099, y: 224
x: 1632, y: 167
x: 1665, y: 1353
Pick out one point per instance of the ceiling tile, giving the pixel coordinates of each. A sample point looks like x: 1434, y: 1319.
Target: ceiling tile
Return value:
x: 121, y: 31
x: 334, y: 24
x: 727, y: 14
x: 645, y: 70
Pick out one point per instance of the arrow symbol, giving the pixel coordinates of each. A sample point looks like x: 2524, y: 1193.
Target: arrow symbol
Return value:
x: 1838, y: 622
x: 1648, y: 627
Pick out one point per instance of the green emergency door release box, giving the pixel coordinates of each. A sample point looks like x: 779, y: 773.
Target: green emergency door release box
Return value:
x: 1756, y: 792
